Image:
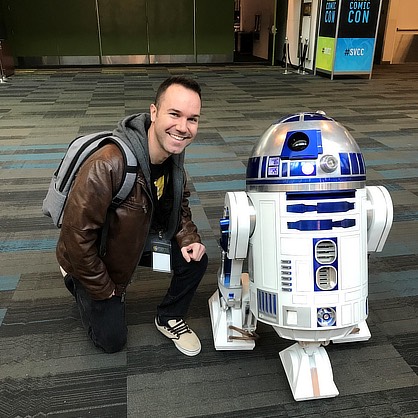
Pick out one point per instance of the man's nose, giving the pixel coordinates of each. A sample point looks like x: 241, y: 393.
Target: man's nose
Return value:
x: 182, y: 125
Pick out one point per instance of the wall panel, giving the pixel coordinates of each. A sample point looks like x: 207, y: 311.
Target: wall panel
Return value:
x: 215, y: 26
x: 123, y: 27
x: 48, y: 27
x: 76, y: 22
x: 171, y: 27
x: 76, y: 32
x: 32, y: 27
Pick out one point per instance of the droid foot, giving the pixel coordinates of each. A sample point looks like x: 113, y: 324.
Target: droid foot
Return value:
x: 359, y: 333
x: 308, y: 371
x: 226, y: 326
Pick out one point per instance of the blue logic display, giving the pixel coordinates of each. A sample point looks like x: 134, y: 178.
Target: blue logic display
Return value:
x: 359, y: 18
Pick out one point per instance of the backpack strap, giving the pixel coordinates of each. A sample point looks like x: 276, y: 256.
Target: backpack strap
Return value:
x: 129, y: 177
x: 125, y: 188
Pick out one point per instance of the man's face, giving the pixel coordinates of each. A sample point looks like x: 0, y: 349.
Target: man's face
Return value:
x: 175, y: 122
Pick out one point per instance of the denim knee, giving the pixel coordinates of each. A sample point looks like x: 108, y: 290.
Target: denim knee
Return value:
x: 110, y: 343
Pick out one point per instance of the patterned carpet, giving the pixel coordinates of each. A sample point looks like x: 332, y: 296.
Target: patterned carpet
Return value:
x: 47, y: 365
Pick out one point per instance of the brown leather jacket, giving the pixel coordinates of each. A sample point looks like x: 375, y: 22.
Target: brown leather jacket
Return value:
x: 85, y: 213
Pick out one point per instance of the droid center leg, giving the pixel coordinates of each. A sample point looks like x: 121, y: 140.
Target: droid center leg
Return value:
x: 308, y: 371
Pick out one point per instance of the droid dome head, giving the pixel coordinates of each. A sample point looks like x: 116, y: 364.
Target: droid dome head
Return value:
x: 305, y: 151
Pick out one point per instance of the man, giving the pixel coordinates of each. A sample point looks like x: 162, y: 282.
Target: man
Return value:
x: 156, y: 214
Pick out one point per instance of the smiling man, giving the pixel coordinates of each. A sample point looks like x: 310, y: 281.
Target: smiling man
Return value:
x: 152, y: 227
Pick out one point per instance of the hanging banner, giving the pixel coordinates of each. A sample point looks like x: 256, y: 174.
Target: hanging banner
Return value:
x: 356, y: 36
x: 325, y: 49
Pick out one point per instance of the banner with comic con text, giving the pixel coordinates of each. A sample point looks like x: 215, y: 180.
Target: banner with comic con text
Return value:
x: 347, y: 36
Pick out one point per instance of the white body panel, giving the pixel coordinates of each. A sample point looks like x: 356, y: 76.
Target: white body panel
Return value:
x: 284, y: 267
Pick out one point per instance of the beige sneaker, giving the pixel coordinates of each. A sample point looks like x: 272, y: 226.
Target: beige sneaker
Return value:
x: 183, y: 337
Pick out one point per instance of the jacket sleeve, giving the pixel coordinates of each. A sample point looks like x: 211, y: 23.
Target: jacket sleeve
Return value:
x: 188, y: 230
x: 84, y: 216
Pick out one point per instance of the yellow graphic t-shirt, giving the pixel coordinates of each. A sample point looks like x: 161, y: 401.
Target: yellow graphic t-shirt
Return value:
x: 159, y: 185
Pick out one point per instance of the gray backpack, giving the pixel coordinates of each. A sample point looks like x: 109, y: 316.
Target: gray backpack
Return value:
x: 78, y: 151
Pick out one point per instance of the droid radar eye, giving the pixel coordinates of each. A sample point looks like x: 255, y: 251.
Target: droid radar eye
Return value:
x: 328, y: 163
x: 298, y: 141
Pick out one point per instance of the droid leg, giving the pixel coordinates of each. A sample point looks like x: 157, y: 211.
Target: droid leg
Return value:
x: 233, y: 327
x: 308, y: 371
x: 233, y: 323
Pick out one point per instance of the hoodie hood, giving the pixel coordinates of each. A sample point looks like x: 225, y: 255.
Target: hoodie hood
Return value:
x: 133, y: 130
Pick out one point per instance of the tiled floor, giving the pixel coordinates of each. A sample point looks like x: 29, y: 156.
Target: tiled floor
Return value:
x: 47, y: 365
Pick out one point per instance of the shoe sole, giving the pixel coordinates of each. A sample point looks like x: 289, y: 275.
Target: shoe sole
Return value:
x: 186, y: 352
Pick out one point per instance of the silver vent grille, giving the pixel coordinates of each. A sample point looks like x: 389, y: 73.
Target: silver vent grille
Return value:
x: 326, y: 278
x: 325, y: 252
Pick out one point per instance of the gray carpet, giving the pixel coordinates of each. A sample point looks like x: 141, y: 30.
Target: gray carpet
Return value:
x: 47, y: 365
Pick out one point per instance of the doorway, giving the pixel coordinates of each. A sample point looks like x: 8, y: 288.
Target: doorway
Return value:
x: 253, y: 29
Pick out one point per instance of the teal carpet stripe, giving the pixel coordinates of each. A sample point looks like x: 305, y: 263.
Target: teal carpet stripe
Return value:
x: 27, y: 245
x: 8, y: 148
x: 402, y: 173
x: 27, y: 166
x: 227, y: 185
x: 216, y: 169
x: 2, y: 314
x: 8, y: 282
x: 32, y: 157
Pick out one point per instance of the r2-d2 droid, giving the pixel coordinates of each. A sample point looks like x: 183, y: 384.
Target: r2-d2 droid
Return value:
x: 305, y: 224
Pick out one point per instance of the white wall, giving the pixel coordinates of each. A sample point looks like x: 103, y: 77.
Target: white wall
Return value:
x: 402, y: 14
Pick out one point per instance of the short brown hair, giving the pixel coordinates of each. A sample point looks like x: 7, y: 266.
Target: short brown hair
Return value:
x: 188, y: 83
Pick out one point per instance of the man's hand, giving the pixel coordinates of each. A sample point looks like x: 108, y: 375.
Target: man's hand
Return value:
x: 193, y: 252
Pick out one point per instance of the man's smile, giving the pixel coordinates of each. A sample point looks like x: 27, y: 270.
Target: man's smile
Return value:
x: 178, y: 137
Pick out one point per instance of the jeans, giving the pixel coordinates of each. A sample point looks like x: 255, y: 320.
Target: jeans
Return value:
x: 185, y: 280
x: 105, y: 320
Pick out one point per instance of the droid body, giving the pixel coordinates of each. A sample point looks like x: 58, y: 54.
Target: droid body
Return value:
x: 305, y: 226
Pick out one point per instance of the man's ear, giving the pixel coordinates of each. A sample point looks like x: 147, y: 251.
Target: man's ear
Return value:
x: 153, y: 111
